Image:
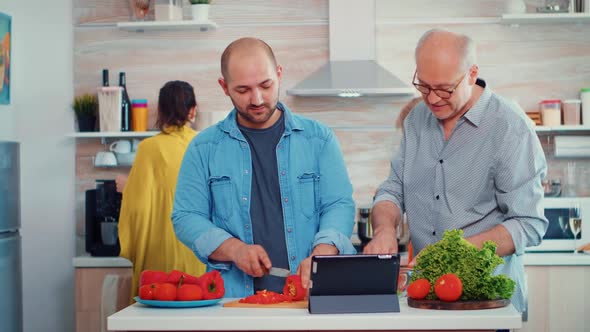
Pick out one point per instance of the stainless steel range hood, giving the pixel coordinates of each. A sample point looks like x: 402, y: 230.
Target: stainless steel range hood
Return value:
x: 352, y: 70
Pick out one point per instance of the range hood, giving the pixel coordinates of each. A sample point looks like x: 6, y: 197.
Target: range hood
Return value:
x: 352, y: 70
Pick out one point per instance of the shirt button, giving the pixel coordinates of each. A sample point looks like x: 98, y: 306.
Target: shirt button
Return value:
x: 280, y: 146
x: 248, y: 286
x: 286, y: 199
x: 289, y: 230
x: 246, y: 171
x: 247, y: 226
x: 437, y: 197
x: 440, y: 161
x: 292, y: 258
x: 244, y: 198
x: 283, y: 172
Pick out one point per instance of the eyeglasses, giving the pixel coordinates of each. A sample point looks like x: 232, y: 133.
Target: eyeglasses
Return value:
x: 442, y: 93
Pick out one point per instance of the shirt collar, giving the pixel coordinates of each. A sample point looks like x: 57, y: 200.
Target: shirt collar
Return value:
x: 230, y: 124
x: 476, y: 113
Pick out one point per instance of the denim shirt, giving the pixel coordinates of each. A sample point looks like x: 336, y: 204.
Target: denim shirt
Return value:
x: 212, y: 201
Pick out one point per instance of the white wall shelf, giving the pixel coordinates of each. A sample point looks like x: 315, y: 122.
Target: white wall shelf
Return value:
x: 531, y: 18
x: 562, y: 129
x: 107, y: 134
x: 142, y: 26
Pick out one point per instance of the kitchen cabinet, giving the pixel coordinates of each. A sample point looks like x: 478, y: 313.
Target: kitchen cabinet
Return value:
x: 557, y: 299
x: 91, y: 297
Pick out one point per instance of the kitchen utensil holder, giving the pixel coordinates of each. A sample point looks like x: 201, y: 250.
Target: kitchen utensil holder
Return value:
x: 109, y: 108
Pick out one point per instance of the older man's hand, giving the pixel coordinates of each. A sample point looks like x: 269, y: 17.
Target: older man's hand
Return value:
x: 382, y: 243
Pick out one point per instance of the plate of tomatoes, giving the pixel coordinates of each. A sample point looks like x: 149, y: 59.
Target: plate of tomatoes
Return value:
x: 177, y: 289
x: 176, y: 304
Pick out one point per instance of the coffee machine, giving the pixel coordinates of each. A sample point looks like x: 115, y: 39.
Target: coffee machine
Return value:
x: 103, y: 205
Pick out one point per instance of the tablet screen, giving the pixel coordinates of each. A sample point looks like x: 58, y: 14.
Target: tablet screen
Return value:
x: 354, y: 274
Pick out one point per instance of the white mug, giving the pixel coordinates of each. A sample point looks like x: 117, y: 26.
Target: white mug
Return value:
x: 105, y: 158
x: 135, y: 144
x: 122, y: 146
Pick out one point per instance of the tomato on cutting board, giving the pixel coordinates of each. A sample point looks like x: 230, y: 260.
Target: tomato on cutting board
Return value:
x: 265, y: 297
x: 448, y: 287
x: 419, y: 289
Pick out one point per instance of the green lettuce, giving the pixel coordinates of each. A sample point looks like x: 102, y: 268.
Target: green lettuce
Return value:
x: 454, y: 254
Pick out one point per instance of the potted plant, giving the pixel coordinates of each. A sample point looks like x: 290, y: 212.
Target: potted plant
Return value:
x: 86, y: 109
x: 200, y: 10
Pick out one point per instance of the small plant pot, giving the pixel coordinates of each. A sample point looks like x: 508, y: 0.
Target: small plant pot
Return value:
x: 200, y: 12
x: 86, y: 122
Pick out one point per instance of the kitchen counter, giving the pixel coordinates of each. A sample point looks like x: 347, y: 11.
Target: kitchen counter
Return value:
x: 92, y: 261
x: 138, y: 317
x: 530, y: 259
x: 556, y: 259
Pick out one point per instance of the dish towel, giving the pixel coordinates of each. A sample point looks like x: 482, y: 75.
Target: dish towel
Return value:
x: 114, y: 296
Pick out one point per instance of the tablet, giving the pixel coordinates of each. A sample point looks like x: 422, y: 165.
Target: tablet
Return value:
x: 354, y: 284
x: 354, y: 274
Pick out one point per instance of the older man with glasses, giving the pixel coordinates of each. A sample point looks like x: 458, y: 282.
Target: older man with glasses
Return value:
x: 468, y: 160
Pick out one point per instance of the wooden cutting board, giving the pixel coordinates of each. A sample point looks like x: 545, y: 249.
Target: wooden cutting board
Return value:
x: 459, y: 305
x: 284, y: 305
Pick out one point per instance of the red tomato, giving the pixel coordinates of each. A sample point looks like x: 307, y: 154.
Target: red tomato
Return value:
x: 419, y: 289
x: 146, y: 292
x: 265, y: 297
x: 189, y: 292
x: 448, y: 287
x: 165, y: 292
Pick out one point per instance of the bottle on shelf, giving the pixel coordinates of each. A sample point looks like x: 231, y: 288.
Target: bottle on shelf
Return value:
x: 105, y: 77
x: 125, y: 104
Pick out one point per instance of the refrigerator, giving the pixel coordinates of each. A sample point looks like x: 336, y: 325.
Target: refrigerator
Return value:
x: 11, y: 303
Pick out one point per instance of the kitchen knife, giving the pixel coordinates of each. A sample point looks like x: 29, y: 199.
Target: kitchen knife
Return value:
x: 278, y: 272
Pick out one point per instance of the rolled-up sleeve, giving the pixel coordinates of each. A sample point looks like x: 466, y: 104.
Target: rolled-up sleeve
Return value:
x: 392, y: 188
x: 191, y: 215
x: 521, y: 168
x: 337, y: 205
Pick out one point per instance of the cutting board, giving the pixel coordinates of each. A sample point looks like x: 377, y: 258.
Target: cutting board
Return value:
x: 284, y: 305
x: 458, y: 305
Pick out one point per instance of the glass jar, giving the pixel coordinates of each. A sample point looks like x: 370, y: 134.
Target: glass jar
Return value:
x: 571, y: 111
x: 139, y: 9
x: 168, y: 10
x: 551, y: 112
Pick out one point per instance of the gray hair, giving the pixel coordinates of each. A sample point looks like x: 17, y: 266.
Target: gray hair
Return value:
x: 465, y: 47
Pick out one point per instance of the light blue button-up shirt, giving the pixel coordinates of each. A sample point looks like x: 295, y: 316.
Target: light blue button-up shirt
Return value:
x: 487, y: 173
x: 212, y: 201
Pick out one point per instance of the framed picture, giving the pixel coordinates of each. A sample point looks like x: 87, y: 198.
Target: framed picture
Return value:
x: 5, y: 60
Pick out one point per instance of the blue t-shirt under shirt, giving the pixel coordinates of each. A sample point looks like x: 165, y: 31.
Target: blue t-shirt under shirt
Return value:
x: 266, y: 210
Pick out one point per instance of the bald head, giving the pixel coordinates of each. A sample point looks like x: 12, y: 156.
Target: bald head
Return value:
x: 245, y: 47
x: 446, y: 48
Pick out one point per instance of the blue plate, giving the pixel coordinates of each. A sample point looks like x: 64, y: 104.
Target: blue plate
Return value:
x: 177, y: 304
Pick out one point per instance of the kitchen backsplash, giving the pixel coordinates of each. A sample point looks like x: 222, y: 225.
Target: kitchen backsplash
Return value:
x: 526, y: 63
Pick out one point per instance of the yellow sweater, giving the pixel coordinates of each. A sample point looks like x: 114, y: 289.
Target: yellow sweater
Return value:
x: 146, y: 233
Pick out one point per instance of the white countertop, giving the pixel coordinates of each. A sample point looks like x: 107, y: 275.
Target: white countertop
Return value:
x: 530, y: 259
x: 556, y: 259
x: 91, y: 261
x: 215, y: 318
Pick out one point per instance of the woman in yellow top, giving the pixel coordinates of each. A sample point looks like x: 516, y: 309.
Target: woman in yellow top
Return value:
x: 145, y: 229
